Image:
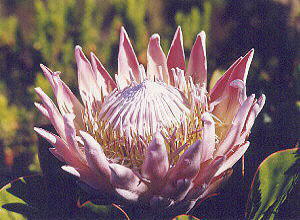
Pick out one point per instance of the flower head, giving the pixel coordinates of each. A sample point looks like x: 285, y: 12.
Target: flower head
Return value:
x: 155, y: 137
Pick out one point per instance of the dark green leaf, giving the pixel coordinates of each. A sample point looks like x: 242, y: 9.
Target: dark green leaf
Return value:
x: 273, y: 180
x: 22, y: 198
x: 106, y: 211
x: 28, y: 198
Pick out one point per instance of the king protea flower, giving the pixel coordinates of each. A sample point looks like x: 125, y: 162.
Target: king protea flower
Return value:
x: 154, y: 137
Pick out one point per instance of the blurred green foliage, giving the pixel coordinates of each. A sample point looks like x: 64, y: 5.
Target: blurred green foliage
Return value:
x: 9, y: 118
x: 194, y: 21
x: 8, y: 28
x: 39, y: 31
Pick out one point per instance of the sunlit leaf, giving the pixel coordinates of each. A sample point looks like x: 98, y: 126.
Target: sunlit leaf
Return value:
x: 273, y: 180
x: 185, y: 217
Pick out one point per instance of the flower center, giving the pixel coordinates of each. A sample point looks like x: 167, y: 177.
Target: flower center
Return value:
x: 128, y: 118
x: 142, y: 109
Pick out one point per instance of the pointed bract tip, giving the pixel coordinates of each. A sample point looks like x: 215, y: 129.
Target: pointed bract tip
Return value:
x: 77, y: 47
x: 123, y: 34
x: 79, y: 54
x: 36, y: 129
x: 262, y: 99
x: 45, y: 134
x: 155, y: 37
x: 38, y: 90
x: 36, y: 104
x: 123, y: 29
x: 70, y: 170
x: 45, y: 69
x: 93, y: 56
x: 250, y: 99
x: 202, y: 35
x: 249, y: 54
x: 178, y: 31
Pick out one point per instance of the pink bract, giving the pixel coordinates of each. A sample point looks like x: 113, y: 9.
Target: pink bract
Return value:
x: 154, y: 137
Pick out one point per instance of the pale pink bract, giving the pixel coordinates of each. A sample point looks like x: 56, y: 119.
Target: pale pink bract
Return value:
x: 154, y: 137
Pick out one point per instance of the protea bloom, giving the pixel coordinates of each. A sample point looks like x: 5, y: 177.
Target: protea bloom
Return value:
x: 154, y: 137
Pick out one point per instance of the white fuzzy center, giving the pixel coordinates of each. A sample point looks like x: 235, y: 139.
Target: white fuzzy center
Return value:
x: 144, y: 108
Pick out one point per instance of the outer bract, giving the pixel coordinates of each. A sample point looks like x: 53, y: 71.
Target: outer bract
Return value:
x: 153, y: 138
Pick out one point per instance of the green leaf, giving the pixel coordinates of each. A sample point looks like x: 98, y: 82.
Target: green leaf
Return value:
x: 105, y: 211
x: 273, y: 180
x: 185, y: 217
x: 29, y: 197
x: 22, y: 198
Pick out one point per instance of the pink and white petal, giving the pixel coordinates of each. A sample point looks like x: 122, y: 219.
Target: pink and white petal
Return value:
x: 208, y: 137
x: 57, y: 154
x: 197, y: 67
x: 188, y: 164
x: 71, y: 139
x: 157, y: 61
x: 241, y: 70
x: 127, y: 61
x: 175, y: 58
x: 104, y: 80
x: 61, y: 148
x: 53, y: 139
x: 220, y: 86
x: 234, y: 90
x: 126, y: 195
x: 156, y: 164
x: 176, y: 189
x: 203, y: 179
x: 124, y: 178
x: 42, y: 109
x: 71, y: 170
x: 88, y: 87
x: 233, y: 98
x: 67, y: 101
x: 233, y: 137
x: 207, y: 172
x: 255, y: 110
x: 241, y: 86
x: 48, y: 74
x: 96, y: 158
x: 88, y: 176
x: 230, y: 161
x: 54, y: 114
